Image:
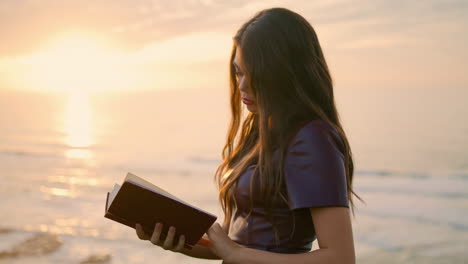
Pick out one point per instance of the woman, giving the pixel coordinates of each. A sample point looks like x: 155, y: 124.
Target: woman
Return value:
x: 286, y: 178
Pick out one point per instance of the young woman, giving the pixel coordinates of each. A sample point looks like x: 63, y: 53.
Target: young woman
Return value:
x: 287, y: 170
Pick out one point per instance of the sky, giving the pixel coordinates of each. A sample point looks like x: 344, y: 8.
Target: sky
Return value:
x: 112, y: 45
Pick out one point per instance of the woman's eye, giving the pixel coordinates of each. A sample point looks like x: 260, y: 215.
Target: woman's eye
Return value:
x: 238, y: 73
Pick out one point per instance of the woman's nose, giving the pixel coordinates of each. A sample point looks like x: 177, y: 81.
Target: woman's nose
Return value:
x: 242, y: 86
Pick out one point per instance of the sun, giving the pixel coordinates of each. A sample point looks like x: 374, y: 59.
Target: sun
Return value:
x: 77, y: 63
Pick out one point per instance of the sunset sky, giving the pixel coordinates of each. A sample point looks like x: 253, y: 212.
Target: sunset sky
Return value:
x: 93, y: 89
x: 85, y: 45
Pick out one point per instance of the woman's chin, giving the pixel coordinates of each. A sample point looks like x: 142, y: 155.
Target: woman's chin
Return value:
x: 252, y: 108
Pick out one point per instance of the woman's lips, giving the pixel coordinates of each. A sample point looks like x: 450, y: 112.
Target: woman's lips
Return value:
x: 247, y: 101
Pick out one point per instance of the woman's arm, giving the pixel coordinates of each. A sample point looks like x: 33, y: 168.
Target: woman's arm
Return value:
x: 200, y: 251
x: 334, y: 235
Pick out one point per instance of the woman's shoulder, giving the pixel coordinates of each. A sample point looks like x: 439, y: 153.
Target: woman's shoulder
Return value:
x: 314, y: 125
x: 314, y: 168
x: 314, y: 134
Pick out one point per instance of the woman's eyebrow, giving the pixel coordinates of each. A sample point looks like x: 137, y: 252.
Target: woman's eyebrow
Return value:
x: 234, y: 63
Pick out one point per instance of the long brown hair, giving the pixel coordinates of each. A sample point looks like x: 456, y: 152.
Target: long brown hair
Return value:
x: 289, y: 77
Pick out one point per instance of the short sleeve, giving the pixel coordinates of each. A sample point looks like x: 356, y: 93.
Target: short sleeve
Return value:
x: 315, y: 173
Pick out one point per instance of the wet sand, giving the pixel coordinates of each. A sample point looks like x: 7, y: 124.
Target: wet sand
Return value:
x: 39, y: 244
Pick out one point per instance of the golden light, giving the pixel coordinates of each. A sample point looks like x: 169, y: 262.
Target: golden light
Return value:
x: 78, y: 127
x: 87, y: 63
x: 78, y: 121
x: 78, y: 63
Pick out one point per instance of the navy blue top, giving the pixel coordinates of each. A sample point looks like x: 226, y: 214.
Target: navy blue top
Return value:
x: 314, y: 176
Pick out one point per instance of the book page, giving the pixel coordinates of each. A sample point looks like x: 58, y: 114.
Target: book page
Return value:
x: 147, y: 185
x: 113, y: 194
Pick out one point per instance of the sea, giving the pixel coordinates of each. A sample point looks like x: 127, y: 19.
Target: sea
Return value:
x: 60, y: 153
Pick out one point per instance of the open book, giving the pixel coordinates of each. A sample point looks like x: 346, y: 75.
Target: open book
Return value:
x: 139, y: 201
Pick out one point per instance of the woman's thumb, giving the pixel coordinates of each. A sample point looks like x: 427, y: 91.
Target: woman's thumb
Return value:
x: 204, y: 242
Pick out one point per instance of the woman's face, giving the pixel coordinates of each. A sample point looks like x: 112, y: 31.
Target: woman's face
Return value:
x: 246, y: 93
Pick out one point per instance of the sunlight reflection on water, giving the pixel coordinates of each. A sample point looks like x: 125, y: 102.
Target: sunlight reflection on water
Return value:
x: 78, y: 127
x: 50, y: 192
x: 73, y: 180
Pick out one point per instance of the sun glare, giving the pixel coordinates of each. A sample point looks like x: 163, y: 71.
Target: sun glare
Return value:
x: 78, y: 127
x: 77, y: 63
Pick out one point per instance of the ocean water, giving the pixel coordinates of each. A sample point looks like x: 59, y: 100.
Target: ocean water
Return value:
x: 60, y: 155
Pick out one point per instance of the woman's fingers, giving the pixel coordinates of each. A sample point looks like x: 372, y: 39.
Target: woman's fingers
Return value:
x: 156, y: 234
x: 140, y: 233
x: 181, y: 243
x: 169, y: 242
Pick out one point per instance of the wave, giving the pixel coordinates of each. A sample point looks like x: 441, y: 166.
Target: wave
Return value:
x: 413, y: 174
x: 431, y: 193
x: 23, y: 153
x: 458, y: 226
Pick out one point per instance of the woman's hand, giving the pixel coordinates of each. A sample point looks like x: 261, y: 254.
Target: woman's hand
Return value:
x: 154, y: 238
x: 222, y: 245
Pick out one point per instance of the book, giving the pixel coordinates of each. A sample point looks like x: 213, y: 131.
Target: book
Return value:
x: 139, y: 201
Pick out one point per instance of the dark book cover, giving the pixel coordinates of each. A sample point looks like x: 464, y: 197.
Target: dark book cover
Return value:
x: 138, y: 201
